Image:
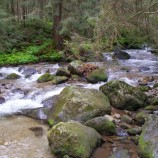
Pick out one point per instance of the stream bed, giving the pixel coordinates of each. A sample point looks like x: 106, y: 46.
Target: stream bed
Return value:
x: 19, y: 141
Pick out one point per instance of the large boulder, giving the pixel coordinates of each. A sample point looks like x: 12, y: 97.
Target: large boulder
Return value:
x: 102, y: 124
x: 73, y: 139
x: 124, y: 96
x: 63, y: 72
x: 97, y: 75
x: 13, y: 76
x: 120, y: 54
x: 76, y: 103
x: 148, y: 140
x: 45, y: 78
x: 74, y: 67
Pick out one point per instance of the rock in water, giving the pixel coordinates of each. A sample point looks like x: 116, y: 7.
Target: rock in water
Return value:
x: 123, y: 96
x: 76, y: 103
x: 2, y: 100
x: 45, y: 78
x: 120, y: 54
x: 29, y: 72
x: 13, y: 76
x: 73, y: 139
x: 74, y: 67
x: 63, y: 72
x: 148, y: 140
x: 97, y: 75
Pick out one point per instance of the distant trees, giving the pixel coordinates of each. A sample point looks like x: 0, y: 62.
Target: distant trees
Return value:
x: 102, y: 21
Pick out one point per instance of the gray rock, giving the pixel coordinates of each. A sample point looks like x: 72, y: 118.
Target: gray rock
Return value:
x: 28, y: 72
x: 2, y: 100
x: 148, y: 140
x: 120, y: 54
x: 74, y: 66
x: 63, y: 72
x: 135, y: 131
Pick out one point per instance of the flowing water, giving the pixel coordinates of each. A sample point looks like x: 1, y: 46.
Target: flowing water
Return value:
x: 26, y: 93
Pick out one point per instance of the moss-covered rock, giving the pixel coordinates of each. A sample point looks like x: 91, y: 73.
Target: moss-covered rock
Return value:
x: 74, y: 66
x: 60, y: 79
x: 63, y: 72
x: 13, y: 76
x: 126, y: 119
x: 135, y: 131
x: 124, y: 96
x: 97, y: 76
x: 76, y: 103
x: 155, y: 85
x: 73, y: 139
x: 140, y: 118
x: 144, y: 88
x: 148, y: 139
x: 45, y: 78
x: 102, y: 125
x: 120, y: 54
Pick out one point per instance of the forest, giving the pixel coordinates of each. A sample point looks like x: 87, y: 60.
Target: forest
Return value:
x: 78, y: 78
x: 57, y: 30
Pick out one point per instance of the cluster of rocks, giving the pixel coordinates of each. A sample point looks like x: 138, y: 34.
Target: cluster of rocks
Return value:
x: 80, y: 116
x: 75, y: 69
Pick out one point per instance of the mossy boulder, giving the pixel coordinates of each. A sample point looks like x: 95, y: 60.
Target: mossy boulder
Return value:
x: 74, y: 67
x: 148, y: 139
x: 123, y: 96
x: 76, y: 103
x: 13, y: 76
x: 97, y: 76
x: 45, y: 78
x: 144, y: 88
x: 126, y: 119
x: 73, y: 139
x: 63, y: 72
x: 102, y: 125
x: 60, y: 79
x: 140, y: 118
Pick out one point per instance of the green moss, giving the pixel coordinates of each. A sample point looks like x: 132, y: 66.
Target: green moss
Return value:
x: 59, y: 79
x: 51, y: 122
x: 97, y: 76
x: 144, y: 147
x: 13, y: 76
x: 45, y: 78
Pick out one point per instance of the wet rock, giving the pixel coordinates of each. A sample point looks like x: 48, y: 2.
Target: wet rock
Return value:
x: 120, y: 153
x: 74, y: 66
x: 124, y: 96
x: 45, y: 78
x: 60, y: 79
x: 73, y: 139
x: 120, y: 54
x: 140, y: 118
x: 121, y: 132
x: 76, y: 103
x: 154, y: 51
x: 28, y: 72
x: 13, y: 76
x: 126, y: 119
x: 1, y: 75
x: 102, y: 125
x: 2, y: 100
x: 148, y: 139
x: 49, y: 102
x: 117, y: 116
x: 146, y: 80
x: 97, y: 75
x: 63, y: 72
x: 142, y: 69
x: 135, y: 131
